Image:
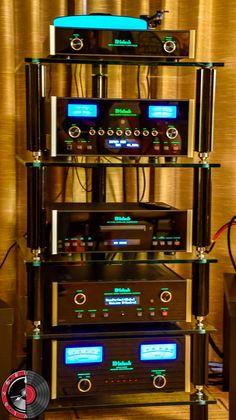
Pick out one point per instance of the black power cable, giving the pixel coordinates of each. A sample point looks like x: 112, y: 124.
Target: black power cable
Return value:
x: 7, y: 253
x: 229, y: 241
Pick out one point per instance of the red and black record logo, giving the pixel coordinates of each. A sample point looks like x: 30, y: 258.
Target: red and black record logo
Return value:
x: 25, y: 394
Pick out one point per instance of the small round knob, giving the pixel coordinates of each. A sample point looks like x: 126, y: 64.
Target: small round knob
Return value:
x: 101, y: 132
x: 154, y: 133
x: 76, y: 44
x: 166, y: 296
x: 80, y: 298
x: 92, y: 132
x: 119, y: 132
x: 74, y: 131
x: 159, y: 381
x: 136, y: 133
x: 110, y: 132
x: 128, y: 132
x: 84, y: 385
x: 172, y: 133
x: 145, y: 133
x: 169, y: 46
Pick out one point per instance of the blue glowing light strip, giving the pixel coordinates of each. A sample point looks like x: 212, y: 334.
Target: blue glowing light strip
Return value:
x: 101, y: 22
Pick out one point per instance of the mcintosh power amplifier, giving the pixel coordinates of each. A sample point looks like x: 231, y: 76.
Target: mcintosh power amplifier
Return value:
x: 110, y: 36
x: 104, y: 294
x: 111, y: 227
x: 119, y: 365
x: 127, y: 127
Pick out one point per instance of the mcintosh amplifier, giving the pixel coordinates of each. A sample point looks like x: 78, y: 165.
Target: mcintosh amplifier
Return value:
x: 129, y: 127
x: 107, y: 36
x: 120, y: 365
x: 113, y: 227
x: 126, y: 293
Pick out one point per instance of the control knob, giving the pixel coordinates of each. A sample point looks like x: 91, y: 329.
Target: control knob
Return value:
x: 110, y: 132
x: 76, y: 44
x: 119, y: 132
x: 101, y: 132
x: 145, y: 133
x: 74, y: 131
x: 84, y: 385
x: 92, y: 132
x: 172, y: 133
x: 128, y: 132
x: 166, y: 296
x: 80, y: 298
x: 136, y: 132
x: 169, y: 46
x: 159, y: 381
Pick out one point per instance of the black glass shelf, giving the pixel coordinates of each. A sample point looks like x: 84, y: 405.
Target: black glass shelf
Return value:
x: 119, y: 330
x: 105, y: 59
x: 133, y: 400
x: 28, y: 161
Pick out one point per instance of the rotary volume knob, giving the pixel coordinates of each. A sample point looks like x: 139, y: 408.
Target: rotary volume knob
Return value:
x: 171, y: 133
x: 169, y: 46
x: 166, y: 296
x: 84, y: 385
x: 80, y: 298
x: 74, y: 131
x: 76, y: 44
x: 159, y: 381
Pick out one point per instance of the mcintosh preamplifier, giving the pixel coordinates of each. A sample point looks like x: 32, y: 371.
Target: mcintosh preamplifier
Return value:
x: 114, y: 365
x: 111, y: 37
x: 124, y: 293
x: 128, y: 127
x: 113, y: 227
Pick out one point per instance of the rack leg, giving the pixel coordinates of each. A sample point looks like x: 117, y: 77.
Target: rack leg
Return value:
x: 199, y: 412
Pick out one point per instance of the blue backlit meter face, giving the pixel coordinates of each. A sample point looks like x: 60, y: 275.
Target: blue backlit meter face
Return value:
x: 163, y: 351
x: 162, y: 111
x: 83, y: 355
x: 82, y: 110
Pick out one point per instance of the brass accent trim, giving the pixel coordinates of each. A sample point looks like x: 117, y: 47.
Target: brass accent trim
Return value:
x: 187, y: 363
x: 54, y: 304
x: 54, y: 232
x: 54, y: 370
x: 188, y: 300
x: 192, y: 38
x: 191, y: 127
x: 52, y: 39
x: 53, y: 126
x: 189, y: 231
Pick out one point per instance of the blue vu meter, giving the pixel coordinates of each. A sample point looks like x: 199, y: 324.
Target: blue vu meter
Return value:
x: 83, y: 355
x: 163, y: 351
x: 82, y: 110
x: 162, y: 111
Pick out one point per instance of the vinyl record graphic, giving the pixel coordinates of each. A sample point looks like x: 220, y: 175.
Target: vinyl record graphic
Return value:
x: 25, y: 394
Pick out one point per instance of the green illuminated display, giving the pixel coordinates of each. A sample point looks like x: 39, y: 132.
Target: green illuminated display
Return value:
x: 122, y: 43
x: 121, y: 365
x: 124, y: 112
x: 122, y: 219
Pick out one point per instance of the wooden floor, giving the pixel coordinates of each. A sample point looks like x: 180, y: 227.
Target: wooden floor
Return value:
x: 217, y: 411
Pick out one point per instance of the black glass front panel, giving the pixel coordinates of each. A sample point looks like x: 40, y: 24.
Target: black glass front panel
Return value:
x: 82, y: 126
x: 146, y: 43
x: 95, y: 228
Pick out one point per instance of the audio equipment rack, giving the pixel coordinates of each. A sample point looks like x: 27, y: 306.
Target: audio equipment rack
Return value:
x: 46, y: 341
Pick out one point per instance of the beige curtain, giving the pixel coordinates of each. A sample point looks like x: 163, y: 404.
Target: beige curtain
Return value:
x: 24, y: 32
